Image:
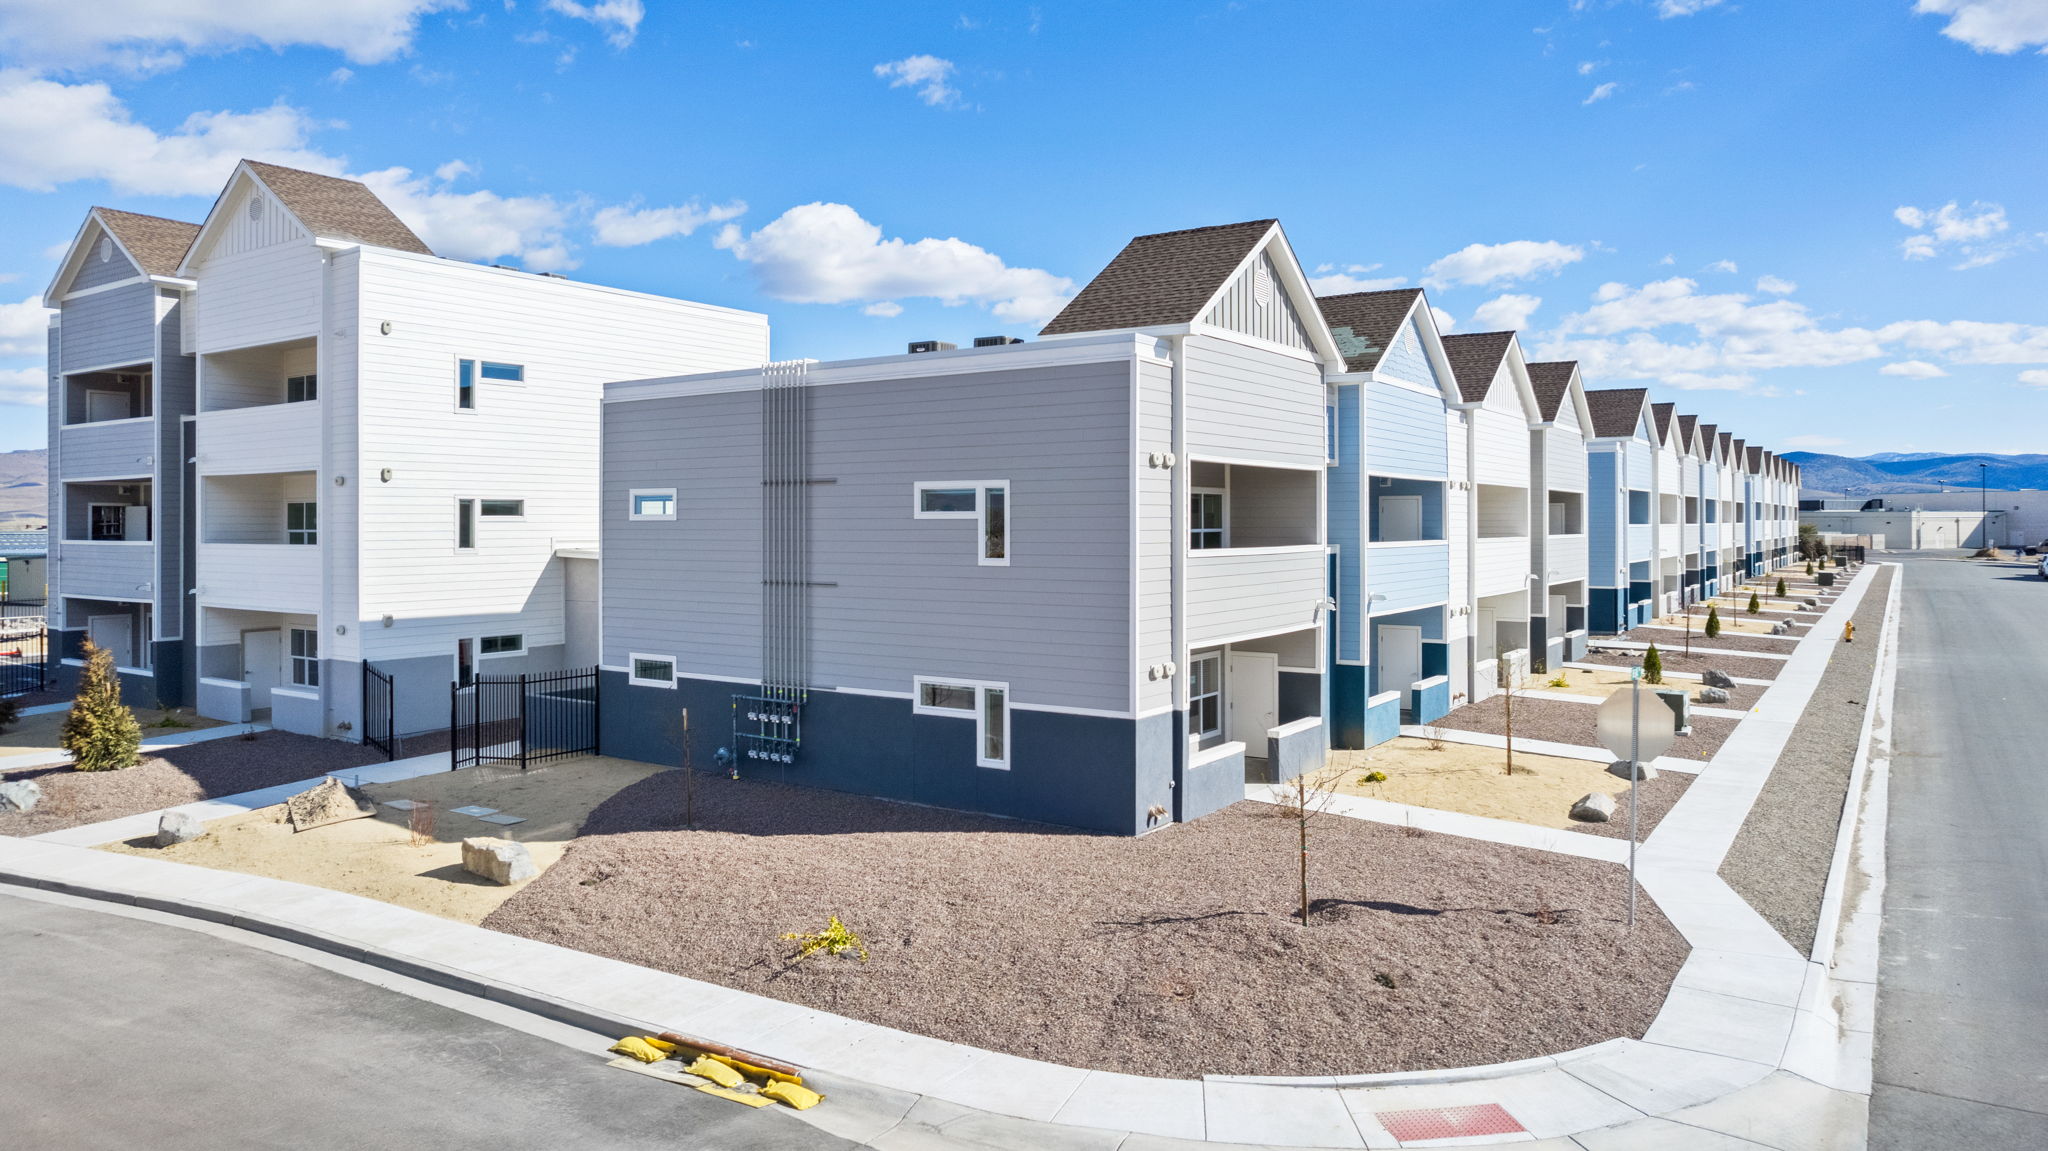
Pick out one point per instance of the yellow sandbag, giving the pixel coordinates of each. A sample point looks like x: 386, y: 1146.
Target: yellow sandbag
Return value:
x: 641, y: 1049
x: 736, y: 1096
x: 752, y: 1071
x: 658, y: 1044
x: 801, y: 1098
x: 715, y: 1071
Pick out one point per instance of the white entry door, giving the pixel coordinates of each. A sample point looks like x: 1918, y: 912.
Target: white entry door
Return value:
x: 1489, y: 639
x: 1560, y: 613
x: 1400, y: 518
x: 1399, y: 648
x: 1251, y: 698
x: 106, y: 406
x: 116, y: 633
x: 262, y: 663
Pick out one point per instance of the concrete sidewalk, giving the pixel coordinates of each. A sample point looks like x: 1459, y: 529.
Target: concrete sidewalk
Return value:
x: 1747, y: 1051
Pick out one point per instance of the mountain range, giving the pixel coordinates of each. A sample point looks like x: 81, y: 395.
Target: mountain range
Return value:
x: 1906, y: 472
x: 24, y: 489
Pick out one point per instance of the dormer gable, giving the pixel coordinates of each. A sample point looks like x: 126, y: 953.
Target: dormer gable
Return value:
x: 1492, y: 374
x: 1393, y: 335
x: 265, y: 205
x: 1561, y: 395
x: 113, y: 246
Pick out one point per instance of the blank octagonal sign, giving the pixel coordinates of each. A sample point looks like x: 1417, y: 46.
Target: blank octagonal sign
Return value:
x: 1659, y: 724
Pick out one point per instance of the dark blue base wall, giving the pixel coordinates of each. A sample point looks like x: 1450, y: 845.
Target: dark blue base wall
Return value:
x: 1350, y: 687
x: 1077, y: 771
x: 165, y: 688
x: 1606, y: 610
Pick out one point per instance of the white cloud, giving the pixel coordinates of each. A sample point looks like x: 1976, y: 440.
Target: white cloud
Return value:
x: 2038, y: 377
x: 2002, y: 27
x: 927, y: 74
x: 1727, y: 266
x: 1444, y: 322
x: 1505, y: 313
x: 1588, y: 67
x: 1501, y: 263
x: 480, y: 225
x: 1913, y: 370
x: 620, y: 19
x: 886, y: 309
x: 24, y: 386
x: 822, y: 253
x: 1601, y: 92
x: 1666, y: 9
x: 1775, y: 285
x: 1330, y: 281
x: 23, y: 328
x: 53, y: 133
x: 153, y: 34
x: 1972, y: 233
x: 1813, y: 443
x: 628, y: 226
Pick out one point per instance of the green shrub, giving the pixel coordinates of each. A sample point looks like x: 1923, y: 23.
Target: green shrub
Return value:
x: 10, y: 714
x: 1755, y: 605
x: 100, y: 733
x: 1781, y: 587
x: 1713, y: 620
x: 1653, y: 666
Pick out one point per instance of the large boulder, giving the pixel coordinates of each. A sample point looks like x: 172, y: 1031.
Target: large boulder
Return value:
x: 1596, y: 807
x: 1713, y: 695
x: 329, y: 801
x: 1620, y: 767
x: 1713, y: 678
x: 20, y: 795
x: 178, y: 827
x: 498, y: 860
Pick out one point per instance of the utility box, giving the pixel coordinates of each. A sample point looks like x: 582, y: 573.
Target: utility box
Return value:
x: 1680, y: 703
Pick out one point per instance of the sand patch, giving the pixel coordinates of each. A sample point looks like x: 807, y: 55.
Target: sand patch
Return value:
x: 37, y: 734
x: 1730, y: 622
x: 1468, y: 778
x: 376, y: 857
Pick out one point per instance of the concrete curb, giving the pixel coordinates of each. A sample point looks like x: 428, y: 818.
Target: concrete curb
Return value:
x: 182, y: 739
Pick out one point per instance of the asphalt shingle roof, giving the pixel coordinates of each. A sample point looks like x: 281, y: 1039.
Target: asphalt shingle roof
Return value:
x: 156, y: 243
x: 1164, y: 278
x: 1366, y: 323
x: 1475, y: 360
x: 1707, y: 441
x: 1756, y: 460
x: 342, y: 209
x: 1551, y: 380
x: 1667, y: 424
x: 1616, y: 410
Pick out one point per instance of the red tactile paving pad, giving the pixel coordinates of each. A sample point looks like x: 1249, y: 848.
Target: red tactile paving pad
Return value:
x: 1449, y: 1122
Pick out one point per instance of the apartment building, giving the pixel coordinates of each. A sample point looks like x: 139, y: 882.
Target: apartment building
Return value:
x: 1559, y: 548
x: 1082, y: 580
x: 1621, y: 470
x: 299, y: 448
x: 1493, y: 419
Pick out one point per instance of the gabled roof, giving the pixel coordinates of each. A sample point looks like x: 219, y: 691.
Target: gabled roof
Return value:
x: 334, y: 207
x: 1551, y: 379
x: 1475, y: 360
x: 1738, y: 451
x: 1366, y: 323
x: 1708, y: 441
x: 1667, y: 424
x: 1165, y: 278
x: 1727, y: 443
x: 1756, y: 460
x: 1615, y: 411
x: 152, y: 243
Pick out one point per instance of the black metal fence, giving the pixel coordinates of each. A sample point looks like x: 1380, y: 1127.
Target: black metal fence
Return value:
x: 379, y: 711
x: 525, y: 719
x: 24, y: 658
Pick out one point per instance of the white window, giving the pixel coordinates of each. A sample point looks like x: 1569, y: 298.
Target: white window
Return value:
x: 502, y: 645
x: 465, y: 385
x: 987, y: 704
x: 995, y: 525
x: 465, y: 524
x: 512, y: 508
x: 305, y: 657
x: 947, y: 501
x: 1206, y: 527
x: 302, y: 522
x: 652, y: 503
x: 651, y: 670
x: 987, y: 502
x: 503, y: 373
x: 299, y: 389
x: 465, y: 662
x: 1205, y: 695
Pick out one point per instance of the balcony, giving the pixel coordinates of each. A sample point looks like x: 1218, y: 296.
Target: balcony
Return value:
x: 1502, y: 563
x: 107, y: 569
x: 260, y: 577
x: 1235, y: 593
x: 263, y: 438
x: 107, y: 449
x: 115, y: 396
x: 1404, y: 575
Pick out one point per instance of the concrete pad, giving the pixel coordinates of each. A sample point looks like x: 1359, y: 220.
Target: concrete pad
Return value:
x: 1767, y: 979
x: 1787, y: 1112
x: 933, y: 1125
x: 1656, y: 1079
x: 1547, y: 1103
x: 1170, y: 1107
x: 857, y: 1111
x: 1284, y: 1116
x: 1661, y: 1135
x: 1007, y: 1085
x: 1723, y: 1025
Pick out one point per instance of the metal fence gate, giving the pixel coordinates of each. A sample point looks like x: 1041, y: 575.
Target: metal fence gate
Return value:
x: 523, y: 719
x: 379, y: 711
x: 24, y: 656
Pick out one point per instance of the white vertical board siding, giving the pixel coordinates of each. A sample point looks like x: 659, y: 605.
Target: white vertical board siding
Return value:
x: 1244, y: 403
x: 1239, y: 309
x: 535, y: 441
x: 114, y: 328
x: 1156, y: 542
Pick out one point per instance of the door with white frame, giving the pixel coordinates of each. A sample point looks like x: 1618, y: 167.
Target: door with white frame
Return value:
x: 116, y: 633
x: 1399, y: 647
x: 262, y: 663
x: 1251, y: 698
x: 1400, y: 518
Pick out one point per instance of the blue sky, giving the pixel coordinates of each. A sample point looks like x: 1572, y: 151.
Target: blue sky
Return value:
x: 1820, y: 225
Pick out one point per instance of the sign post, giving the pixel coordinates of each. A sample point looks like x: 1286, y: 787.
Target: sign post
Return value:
x: 1626, y: 731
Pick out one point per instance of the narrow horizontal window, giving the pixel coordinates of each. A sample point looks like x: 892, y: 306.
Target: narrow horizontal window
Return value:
x: 502, y: 644
x: 505, y: 373
x: 946, y: 696
x: 946, y: 501
x: 652, y: 503
x: 504, y: 507
x: 651, y: 671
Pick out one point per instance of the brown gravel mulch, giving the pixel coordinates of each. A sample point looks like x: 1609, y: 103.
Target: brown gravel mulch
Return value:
x: 1176, y: 954
x: 1577, y: 724
x: 1676, y: 660
x: 178, y: 775
x: 1727, y: 641
x: 1658, y: 796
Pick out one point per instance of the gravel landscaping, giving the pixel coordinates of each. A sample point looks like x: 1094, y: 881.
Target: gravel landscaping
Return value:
x: 177, y: 775
x: 1665, y: 639
x: 1175, y: 954
x: 1577, y: 724
x: 1780, y: 859
x: 1677, y: 660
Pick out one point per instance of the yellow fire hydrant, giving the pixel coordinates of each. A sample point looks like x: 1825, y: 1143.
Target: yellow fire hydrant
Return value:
x: 1849, y: 632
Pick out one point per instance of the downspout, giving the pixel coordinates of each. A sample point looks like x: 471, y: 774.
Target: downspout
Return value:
x: 1471, y: 421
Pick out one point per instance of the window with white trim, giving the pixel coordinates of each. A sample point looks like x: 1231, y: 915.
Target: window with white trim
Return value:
x: 502, y: 645
x: 995, y: 525
x: 512, y: 508
x: 305, y: 657
x: 987, y: 704
x: 650, y: 670
x: 1205, y: 695
x: 465, y: 385
x: 1205, y: 519
x: 465, y: 524
x: 299, y: 389
x: 502, y: 373
x: 986, y: 502
x: 651, y: 503
x: 470, y: 373
x: 302, y: 522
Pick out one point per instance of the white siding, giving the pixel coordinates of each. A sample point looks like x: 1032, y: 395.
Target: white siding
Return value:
x: 1241, y: 593
x: 259, y: 297
x: 1503, y: 431
x: 259, y: 577
x: 1239, y: 309
x: 266, y: 438
x: 1156, y: 542
x: 1248, y: 404
x: 1503, y: 565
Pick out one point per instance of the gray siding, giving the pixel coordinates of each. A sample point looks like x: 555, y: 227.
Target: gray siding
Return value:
x: 112, y: 328
x: 1248, y: 404
x: 1405, y: 432
x: 124, y: 449
x: 1239, y: 310
x: 174, y: 381
x: 92, y: 273
x: 1271, y: 507
x: 898, y: 596
x: 1407, y: 360
x: 122, y: 571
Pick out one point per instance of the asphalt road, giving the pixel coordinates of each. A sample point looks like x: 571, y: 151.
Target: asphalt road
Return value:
x: 120, y: 1033
x: 1962, y: 1002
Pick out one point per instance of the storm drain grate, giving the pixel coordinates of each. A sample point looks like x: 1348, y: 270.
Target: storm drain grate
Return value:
x: 1449, y: 1122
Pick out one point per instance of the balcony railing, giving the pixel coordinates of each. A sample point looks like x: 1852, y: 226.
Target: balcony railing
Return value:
x: 265, y: 438
x: 260, y: 577
x: 1243, y: 592
x: 106, y: 569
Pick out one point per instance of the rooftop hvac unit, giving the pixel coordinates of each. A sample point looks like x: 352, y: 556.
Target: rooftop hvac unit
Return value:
x: 995, y: 341
x: 917, y: 346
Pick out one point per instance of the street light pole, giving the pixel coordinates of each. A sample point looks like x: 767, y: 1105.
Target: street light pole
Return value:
x: 1984, y: 501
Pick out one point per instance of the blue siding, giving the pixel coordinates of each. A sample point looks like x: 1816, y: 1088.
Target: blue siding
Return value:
x: 1350, y: 685
x: 1407, y: 360
x: 1405, y: 432
x: 1434, y: 702
x: 1605, y: 514
x: 1409, y: 575
x: 1345, y: 481
x: 1382, y: 723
